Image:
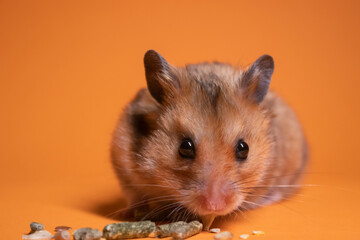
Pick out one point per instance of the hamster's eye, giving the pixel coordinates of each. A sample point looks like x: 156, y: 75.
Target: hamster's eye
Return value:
x: 241, y: 151
x: 187, y: 149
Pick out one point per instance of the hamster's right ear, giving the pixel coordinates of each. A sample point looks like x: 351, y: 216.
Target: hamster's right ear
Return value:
x: 256, y: 79
x: 161, y: 81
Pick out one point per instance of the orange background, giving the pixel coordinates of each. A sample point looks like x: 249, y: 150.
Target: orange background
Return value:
x: 67, y: 68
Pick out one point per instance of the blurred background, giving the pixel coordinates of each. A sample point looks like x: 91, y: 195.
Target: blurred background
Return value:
x: 67, y: 69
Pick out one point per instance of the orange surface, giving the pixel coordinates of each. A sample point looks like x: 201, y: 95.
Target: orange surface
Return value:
x: 67, y: 68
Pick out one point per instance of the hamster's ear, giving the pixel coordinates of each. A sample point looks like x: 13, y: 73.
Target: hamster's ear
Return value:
x: 161, y: 81
x: 256, y: 79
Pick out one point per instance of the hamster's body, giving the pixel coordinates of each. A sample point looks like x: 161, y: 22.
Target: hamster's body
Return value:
x: 210, y: 110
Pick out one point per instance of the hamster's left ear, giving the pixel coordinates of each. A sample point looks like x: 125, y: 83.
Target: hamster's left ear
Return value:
x: 161, y: 81
x: 256, y: 79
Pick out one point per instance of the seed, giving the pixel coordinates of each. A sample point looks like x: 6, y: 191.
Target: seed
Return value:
x: 41, y: 234
x: 223, y: 236
x: 36, y: 227
x: 62, y: 235
x: 244, y: 236
x: 214, y: 230
x: 87, y: 234
x: 258, y: 233
x: 62, y: 228
x: 37, y: 232
x: 123, y: 230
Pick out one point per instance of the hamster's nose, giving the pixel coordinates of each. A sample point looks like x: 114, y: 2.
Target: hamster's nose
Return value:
x: 213, y: 203
x: 215, y: 198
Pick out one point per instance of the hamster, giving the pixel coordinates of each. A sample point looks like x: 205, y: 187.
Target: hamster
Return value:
x: 207, y: 140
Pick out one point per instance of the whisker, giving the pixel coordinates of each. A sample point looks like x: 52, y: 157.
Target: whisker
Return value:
x: 283, y: 197
x: 158, y: 210
x: 283, y: 186
x: 244, y: 181
x: 283, y: 205
x: 146, y: 185
x: 249, y: 202
x: 174, y: 211
x: 241, y: 212
x: 145, y: 202
x: 158, y: 199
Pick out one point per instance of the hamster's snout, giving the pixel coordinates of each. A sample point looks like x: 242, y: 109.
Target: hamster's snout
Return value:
x: 213, y: 203
x: 216, y: 197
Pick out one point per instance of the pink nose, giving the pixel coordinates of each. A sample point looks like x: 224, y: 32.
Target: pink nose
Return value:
x: 215, y: 197
x: 214, y: 203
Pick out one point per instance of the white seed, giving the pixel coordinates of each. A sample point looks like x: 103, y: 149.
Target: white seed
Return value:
x: 223, y: 236
x: 42, y: 234
x: 258, y: 233
x: 244, y: 236
x: 214, y: 230
x: 62, y: 235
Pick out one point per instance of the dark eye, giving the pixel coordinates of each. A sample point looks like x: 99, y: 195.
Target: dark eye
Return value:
x: 241, y: 151
x: 187, y: 149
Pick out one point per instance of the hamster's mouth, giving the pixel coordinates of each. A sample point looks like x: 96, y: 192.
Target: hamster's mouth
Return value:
x: 218, y: 207
x: 219, y: 212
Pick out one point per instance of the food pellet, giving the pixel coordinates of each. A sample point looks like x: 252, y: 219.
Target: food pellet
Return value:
x: 214, y: 230
x: 186, y: 231
x: 244, y: 236
x: 165, y: 230
x: 258, y: 233
x: 62, y: 235
x: 178, y: 230
x: 87, y: 234
x: 223, y: 236
x: 123, y: 230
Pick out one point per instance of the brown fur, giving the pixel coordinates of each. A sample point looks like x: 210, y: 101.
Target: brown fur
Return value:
x: 212, y: 107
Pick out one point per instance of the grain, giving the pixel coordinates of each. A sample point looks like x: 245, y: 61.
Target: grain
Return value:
x: 223, y: 236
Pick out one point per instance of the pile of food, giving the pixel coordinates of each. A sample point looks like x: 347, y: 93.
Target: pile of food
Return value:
x: 124, y: 230
x: 128, y: 230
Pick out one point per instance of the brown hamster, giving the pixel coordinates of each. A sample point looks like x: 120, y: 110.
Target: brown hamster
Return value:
x: 208, y: 138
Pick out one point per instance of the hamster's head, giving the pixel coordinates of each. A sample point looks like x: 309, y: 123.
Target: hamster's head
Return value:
x: 210, y: 141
